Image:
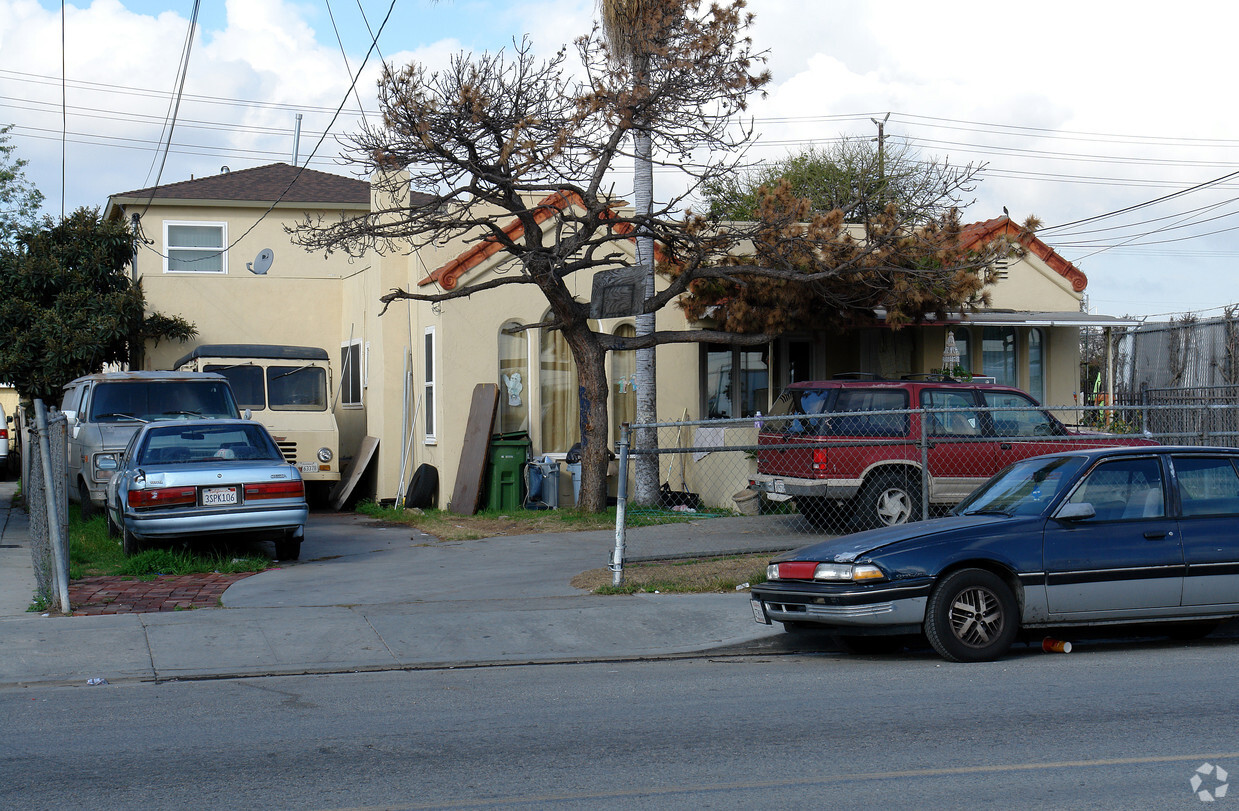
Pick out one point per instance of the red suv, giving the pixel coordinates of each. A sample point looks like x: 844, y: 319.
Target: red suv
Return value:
x: 854, y: 450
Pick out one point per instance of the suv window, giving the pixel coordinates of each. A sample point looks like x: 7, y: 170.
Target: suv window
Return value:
x: 951, y: 422
x: 1025, y: 419
x: 878, y: 423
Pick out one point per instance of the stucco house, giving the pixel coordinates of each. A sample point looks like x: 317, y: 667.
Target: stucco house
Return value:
x: 406, y: 378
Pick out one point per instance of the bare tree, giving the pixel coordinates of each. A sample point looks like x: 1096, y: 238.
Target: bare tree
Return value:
x: 513, y: 152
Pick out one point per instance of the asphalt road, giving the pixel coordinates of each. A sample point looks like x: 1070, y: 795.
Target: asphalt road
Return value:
x: 1111, y: 725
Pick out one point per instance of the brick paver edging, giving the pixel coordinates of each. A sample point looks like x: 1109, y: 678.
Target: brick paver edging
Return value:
x: 166, y: 592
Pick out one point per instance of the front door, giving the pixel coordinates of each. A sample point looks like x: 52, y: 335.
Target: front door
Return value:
x: 1127, y: 557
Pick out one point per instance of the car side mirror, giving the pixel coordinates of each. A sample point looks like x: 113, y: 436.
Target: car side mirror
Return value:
x: 1076, y: 511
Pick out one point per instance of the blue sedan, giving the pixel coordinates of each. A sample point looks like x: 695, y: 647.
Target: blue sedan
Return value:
x: 1095, y: 537
x: 198, y: 479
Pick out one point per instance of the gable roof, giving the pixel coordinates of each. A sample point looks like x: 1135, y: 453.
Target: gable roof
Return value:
x: 1003, y: 226
x: 262, y: 184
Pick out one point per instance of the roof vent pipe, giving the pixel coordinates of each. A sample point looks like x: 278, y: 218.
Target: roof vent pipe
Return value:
x: 297, y: 140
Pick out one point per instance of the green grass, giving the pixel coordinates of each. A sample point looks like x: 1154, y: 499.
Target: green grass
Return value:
x: 93, y: 553
x: 449, y: 526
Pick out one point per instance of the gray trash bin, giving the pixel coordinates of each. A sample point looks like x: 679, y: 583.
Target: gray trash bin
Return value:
x: 542, y: 484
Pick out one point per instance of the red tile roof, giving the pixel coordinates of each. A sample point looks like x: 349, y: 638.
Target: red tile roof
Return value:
x: 264, y: 184
x: 1004, y: 226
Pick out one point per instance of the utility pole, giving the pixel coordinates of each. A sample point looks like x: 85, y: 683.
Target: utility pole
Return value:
x: 881, y: 155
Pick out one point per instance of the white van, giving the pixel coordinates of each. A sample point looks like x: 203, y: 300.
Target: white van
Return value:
x: 104, y: 410
x: 289, y: 390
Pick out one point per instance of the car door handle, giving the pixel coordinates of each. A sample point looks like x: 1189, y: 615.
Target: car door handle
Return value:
x: 1006, y: 446
x: 1157, y: 535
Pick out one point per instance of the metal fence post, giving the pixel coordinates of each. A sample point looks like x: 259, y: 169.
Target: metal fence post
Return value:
x: 924, y: 466
x: 59, y: 544
x: 621, y: 510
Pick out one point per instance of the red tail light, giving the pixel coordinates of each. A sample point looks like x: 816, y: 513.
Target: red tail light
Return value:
x: 163, y: 497
x: 294, y: 489
x: 4, y: 433
x: 819, y: 460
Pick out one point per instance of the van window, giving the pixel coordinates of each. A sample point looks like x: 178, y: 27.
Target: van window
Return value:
x: 297, y: 388
x: 126, y: 400
x: 247, y: 383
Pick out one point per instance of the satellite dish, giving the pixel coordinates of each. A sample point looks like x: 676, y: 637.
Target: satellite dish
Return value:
x: 262, y: 262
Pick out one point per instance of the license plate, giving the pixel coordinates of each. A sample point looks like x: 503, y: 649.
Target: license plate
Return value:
x: 307, y: 467
x: 759, y: 613
x: 219, y: 496
x: 779, y: 487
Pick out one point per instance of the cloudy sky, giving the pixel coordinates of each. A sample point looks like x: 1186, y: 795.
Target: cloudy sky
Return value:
x: 1078, y: 110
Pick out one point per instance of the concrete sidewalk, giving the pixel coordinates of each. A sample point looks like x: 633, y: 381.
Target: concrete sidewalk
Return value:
x: 371, y: 597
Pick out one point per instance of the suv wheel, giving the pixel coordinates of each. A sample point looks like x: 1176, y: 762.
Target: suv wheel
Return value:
x: 889, y: 499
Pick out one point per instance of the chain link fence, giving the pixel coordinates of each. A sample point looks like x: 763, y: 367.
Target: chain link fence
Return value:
x: 49, y: 576
x: 835, y: 473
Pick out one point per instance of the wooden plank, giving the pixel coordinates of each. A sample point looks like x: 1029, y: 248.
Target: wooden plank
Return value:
x: 361, y: 461
x: 470, y: 473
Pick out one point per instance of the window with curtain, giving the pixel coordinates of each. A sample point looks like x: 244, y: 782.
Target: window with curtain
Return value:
x: 513, y: 379
x: 623, y: 383
x: 998, y: 355
x: 195, y: 247
x: 737, y: 381
x: 1036, y: 364
x: 557, y: 386
x: 431, y: 372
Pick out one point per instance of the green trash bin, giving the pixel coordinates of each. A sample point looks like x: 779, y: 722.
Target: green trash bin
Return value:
x: 505, y: 479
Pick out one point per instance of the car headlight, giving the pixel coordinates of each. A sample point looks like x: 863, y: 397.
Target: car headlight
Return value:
x: 863, y: 572
x: 772, y: 571
x: 325, y: 454
x: 105, y: 465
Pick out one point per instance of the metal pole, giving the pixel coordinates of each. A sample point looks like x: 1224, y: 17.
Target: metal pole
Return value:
x: 621, y: 511
x: 924, y: 466
x: 59, y: 547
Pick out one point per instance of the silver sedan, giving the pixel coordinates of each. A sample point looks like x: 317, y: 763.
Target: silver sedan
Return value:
x: 187, y: 479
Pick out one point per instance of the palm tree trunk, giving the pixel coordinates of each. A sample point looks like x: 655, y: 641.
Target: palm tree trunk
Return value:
x: 646, y: 468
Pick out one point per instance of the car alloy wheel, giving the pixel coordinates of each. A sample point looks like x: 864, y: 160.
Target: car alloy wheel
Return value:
x: 971, y: 617
x: 890, y: 499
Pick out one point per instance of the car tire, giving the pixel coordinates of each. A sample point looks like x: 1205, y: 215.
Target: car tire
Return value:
x: 113, y: 532
x: 971, y: 617
x: 422, y: 487
x: 129, y: 543
x: 889, y: 499
x: 822, y: 513
x: 288, y: 548
x: 85, y: 504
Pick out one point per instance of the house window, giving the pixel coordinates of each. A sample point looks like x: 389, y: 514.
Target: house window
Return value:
x: 428, y: 344
x: 998, y: 355
x: 623, y: 383
x: 350, y: 374
x: 558, y: 390
x: 195, y: 247
x: 736, y: 381
x: 513, y: 378
x: 1036, y: 364
x: 963, y: 343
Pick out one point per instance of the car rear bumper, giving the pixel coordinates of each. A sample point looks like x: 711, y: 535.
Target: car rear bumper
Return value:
x: 839, y: 489
x: 888, y: 607
x: 199, y: 522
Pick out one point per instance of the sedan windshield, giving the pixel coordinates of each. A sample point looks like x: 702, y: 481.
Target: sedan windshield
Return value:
x: 1025, y: 488
x: 174, y: 444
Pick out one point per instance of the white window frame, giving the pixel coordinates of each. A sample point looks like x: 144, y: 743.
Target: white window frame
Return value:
x: 430, y: 371
x: 348, y: 346
x: 168, y: 248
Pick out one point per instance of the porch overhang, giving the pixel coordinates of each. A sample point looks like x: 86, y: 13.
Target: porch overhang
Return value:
x: 1025, y: 318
